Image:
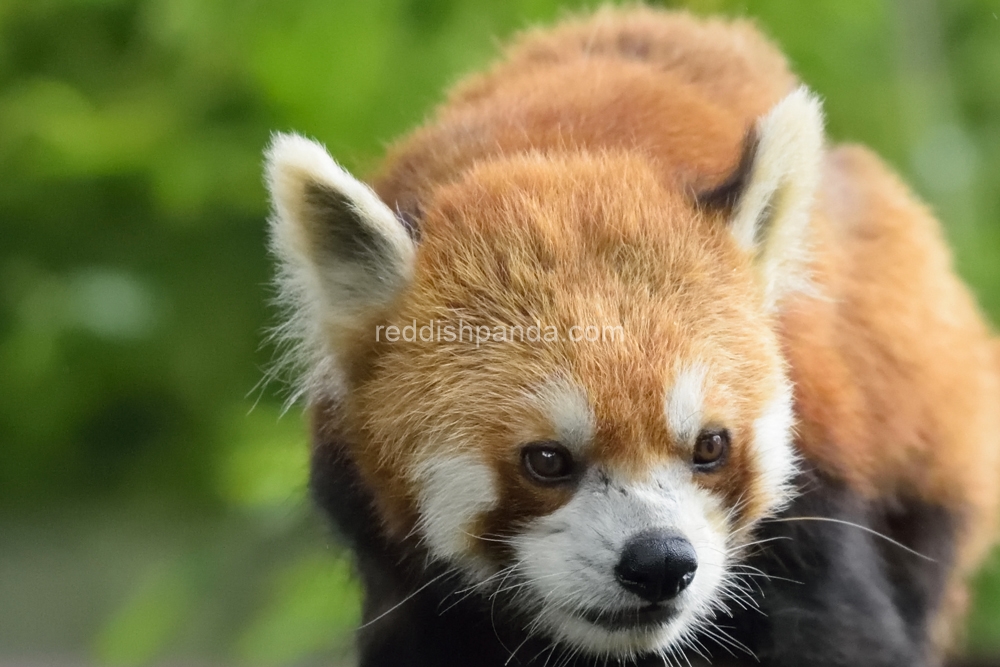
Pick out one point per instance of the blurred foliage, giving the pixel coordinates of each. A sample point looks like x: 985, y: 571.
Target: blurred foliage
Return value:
x: 313, y: 598
x: 133, y: 277
x: 140, y: 628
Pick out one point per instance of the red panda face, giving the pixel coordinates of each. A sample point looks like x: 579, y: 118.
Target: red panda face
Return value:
x: 533, y: 459
x: 569, y: 390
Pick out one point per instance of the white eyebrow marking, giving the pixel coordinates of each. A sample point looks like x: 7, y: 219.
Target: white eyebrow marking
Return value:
x: 572, y: 417
x: 685, y: 402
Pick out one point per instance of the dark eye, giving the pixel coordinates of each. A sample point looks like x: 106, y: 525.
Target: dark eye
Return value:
x: 547, y: 462
x: 710, y: 448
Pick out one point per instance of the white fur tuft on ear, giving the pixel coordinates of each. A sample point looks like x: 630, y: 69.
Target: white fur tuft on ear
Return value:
x: 772, y: 214
x: 343, y: 255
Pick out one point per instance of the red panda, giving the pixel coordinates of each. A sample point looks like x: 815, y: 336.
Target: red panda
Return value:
x: 781, y: 448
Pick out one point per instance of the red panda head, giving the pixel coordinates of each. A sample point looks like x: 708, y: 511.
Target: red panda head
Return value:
x: 570, y: 386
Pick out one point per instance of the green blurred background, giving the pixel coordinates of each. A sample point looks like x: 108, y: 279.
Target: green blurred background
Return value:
x: 152, y: 492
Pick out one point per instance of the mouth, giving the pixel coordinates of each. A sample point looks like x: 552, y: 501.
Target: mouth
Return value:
x: 637, y: 618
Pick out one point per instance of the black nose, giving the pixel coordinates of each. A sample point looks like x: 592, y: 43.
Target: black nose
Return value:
x: 656, y: 565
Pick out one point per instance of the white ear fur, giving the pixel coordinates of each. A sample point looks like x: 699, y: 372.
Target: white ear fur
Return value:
x: 343, y: 254
x: 772, y: 214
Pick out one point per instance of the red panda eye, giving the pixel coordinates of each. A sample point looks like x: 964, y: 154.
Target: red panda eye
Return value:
x: 547, y: 462
x: 710, y: 448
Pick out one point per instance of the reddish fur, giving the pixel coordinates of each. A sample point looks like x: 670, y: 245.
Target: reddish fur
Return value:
x: 682, y: 90
x: 550, y: 245
x: 896, y: 378
x: 897, y: 354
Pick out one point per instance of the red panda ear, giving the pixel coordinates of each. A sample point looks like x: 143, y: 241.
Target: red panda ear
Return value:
x: 771, y: 193
x: 343, y: 254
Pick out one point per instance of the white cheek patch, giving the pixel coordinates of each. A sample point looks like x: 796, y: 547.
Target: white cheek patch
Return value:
x: 685, y: 402
x: 453, y: 492
x: 567, y: 559
x: 773, y: 449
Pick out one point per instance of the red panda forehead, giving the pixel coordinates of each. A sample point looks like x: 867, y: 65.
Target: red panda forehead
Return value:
x: 534, y: 228
x: 581, y: 202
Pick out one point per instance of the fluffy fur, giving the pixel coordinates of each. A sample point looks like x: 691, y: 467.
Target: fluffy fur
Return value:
x: 668, y: 178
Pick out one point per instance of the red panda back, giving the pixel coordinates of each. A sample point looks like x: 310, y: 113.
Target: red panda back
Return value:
x: 897, y: 377
x: 729, y: 62
x: 684, y: 91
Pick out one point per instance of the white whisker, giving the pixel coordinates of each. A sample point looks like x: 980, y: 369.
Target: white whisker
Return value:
x: 406, y: 599
x: 859, y: 527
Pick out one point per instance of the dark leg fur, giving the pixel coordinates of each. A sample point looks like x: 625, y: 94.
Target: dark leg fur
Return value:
x: 862, y: 601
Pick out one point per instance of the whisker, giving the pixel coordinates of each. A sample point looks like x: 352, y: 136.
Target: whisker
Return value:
x: 719, y: 635
x: 762, y: 541
x: 406, y: 599
x: 527, y: 636
x: 763, y: 575
x: 498, y: 539
x: 737, y: 576
x: 695, y: 644
x: 734, y: 585
x: 529, y: 582
x: 712, y: 635
x: 859, y: 527
x: 551, y: 652
x: 493, y: 605
x: 466, y: 592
